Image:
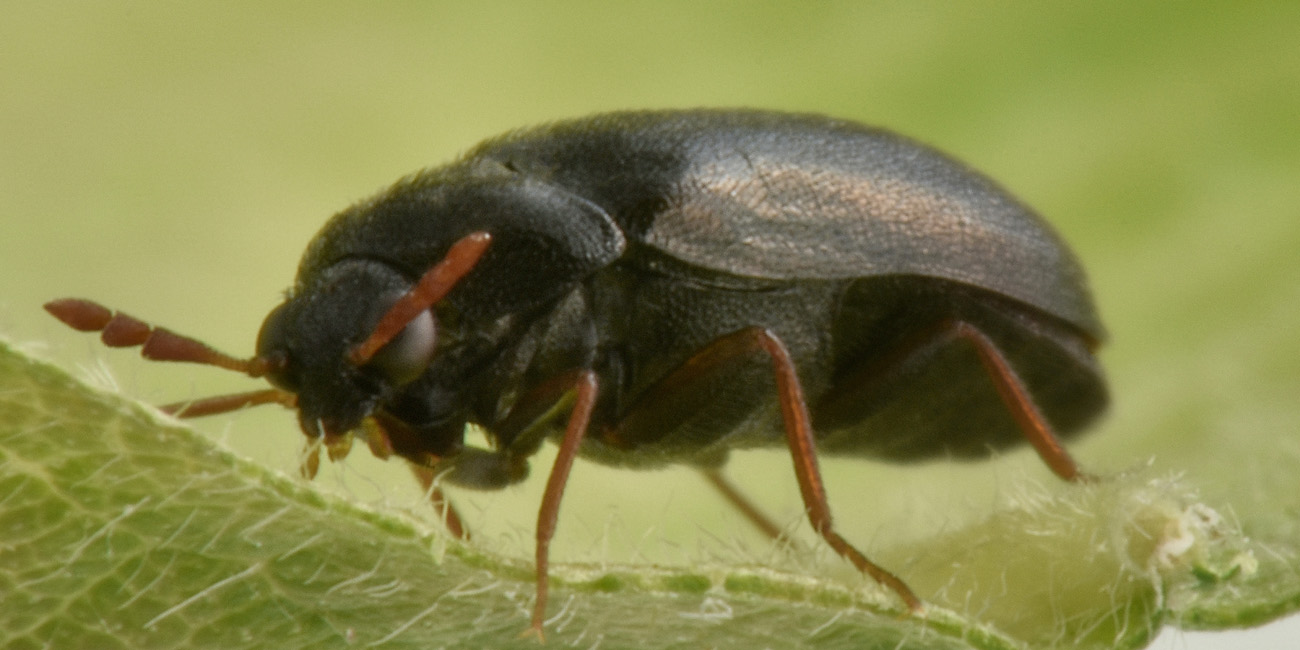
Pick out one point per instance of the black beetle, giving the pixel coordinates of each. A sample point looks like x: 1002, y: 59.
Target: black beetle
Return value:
x: 663, y: 287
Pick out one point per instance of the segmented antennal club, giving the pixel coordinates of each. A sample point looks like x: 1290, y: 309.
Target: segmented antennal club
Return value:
x: 118, y: 330
x: 436, y: 283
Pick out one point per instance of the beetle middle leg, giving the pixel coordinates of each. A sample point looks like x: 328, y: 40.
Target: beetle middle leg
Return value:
x: 713, y: 358
x: 739, y: 501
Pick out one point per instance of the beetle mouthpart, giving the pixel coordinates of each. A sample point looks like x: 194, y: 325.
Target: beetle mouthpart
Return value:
x: 377, y: 438
x: 432, y: 287
x: 314, y: 429
x: 309, y: 460
x: 338, y: 445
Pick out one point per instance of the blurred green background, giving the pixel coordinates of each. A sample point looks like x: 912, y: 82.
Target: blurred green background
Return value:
x: 173, y: 160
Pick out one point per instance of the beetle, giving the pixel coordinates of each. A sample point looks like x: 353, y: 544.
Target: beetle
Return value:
x: 663, y: 287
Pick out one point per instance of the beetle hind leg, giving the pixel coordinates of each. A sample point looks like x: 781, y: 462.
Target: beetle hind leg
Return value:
x: 1017, y: 399
x: 844, y: 403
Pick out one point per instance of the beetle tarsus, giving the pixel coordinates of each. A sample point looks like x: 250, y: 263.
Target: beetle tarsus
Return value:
x: 534, y: 631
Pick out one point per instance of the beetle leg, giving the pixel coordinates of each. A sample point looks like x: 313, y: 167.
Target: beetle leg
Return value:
x: 740, y: 502
x: 799, y: 436
x: 1014, y: 394
x: 386, y: 435
x: 1010, y: 387
x: 666, y: 404
x: 587, y: 387
x: 713, y: 358
x: 524, y: 429
x: 446, y: 511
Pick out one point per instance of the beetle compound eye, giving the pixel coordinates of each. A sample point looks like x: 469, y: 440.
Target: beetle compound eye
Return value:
x: 404, y: 359
x: 432, y: 287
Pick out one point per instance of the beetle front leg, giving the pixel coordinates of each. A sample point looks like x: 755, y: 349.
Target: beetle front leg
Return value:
x: 387, y: 436
x: 427, y: 478
x: 587, y: 389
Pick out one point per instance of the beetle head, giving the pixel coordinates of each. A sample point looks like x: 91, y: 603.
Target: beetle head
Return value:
x: 310, y: 338
x: 355, y: 333
x: 340, y: 343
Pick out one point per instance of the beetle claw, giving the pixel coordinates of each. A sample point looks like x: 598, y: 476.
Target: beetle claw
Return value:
x: 534, y: 632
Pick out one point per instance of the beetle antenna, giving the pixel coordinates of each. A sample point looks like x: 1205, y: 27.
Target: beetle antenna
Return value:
x: 436, y: 283
x: 119, y: 330
x: 226, y: 403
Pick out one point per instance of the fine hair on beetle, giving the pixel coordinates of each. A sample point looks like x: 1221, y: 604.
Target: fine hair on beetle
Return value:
x: 663, y: 287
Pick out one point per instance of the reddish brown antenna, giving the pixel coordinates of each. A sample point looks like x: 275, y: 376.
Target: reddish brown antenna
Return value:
x: 119, y: 330
x: 432, y: 287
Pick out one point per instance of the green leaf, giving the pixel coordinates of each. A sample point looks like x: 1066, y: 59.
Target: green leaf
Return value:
x: 123, y: 529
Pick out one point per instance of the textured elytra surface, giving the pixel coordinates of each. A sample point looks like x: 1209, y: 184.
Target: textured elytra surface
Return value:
x: 120, y: 530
